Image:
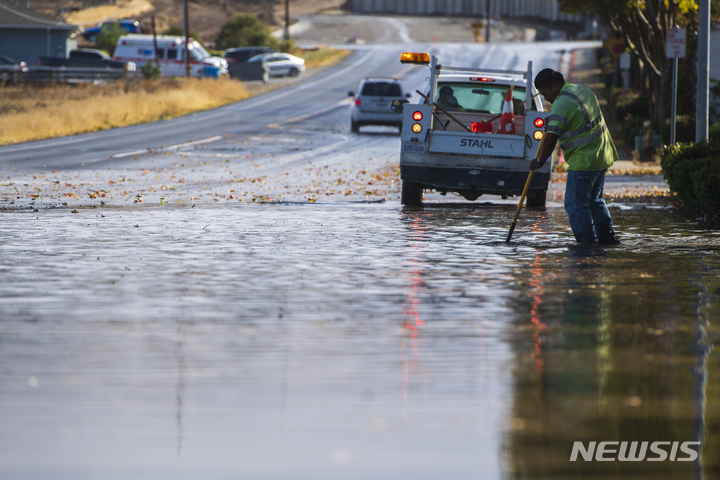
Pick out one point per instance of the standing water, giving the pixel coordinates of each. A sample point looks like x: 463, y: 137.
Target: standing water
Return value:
x: 353, y: 341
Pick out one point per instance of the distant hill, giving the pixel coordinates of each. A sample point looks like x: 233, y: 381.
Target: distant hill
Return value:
x: 206, y: 16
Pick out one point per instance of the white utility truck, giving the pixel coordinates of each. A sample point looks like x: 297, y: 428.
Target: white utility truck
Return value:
x: 452, y: 140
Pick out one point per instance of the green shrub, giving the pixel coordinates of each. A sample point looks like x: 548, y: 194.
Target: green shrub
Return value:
x: 693, y: 174
x: 109, y: 36
x: 287, y: 46
x: 685, y: 130
x: 245, y: 31
x: 150, y: 71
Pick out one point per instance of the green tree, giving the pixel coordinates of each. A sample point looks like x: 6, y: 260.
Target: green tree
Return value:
x: 108, y: 38
x: 178, y: 31
x: 245, y: 31
x: 643, y: 24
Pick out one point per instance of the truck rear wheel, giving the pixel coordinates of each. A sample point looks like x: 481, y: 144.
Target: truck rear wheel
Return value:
x: 536, y: 199
x: 354, y: 126
x: 411, y: 193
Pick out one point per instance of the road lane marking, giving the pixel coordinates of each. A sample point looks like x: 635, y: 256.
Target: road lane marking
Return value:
x: 128, y: 154
x: 190, y: 144
x: 335, y: 105
x: 167, y: 149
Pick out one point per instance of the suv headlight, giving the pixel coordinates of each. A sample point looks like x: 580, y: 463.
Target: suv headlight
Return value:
x: 131, y: 66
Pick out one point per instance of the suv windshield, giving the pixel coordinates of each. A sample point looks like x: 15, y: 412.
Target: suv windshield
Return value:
x: 479, y: 98
x: 381, y: 89
x: 197, y: 52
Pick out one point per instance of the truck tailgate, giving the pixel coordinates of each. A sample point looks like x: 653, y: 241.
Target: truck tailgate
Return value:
x: 495, y: 145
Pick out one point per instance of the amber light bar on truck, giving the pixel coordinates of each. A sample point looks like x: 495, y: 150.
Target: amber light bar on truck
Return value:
x: 415, y: 58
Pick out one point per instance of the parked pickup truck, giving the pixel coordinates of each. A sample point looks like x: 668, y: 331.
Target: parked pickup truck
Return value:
x: 88, y: 58
x: 460, y: 147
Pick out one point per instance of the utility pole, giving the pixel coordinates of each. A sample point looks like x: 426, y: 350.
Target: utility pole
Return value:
x: 155, y: 45
x: 187, y: 38
x: 487, y: 23
x: 287, y: 20
x: 703, y: 72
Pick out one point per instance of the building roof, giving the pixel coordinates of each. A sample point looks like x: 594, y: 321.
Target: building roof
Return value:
x: 18, y: 17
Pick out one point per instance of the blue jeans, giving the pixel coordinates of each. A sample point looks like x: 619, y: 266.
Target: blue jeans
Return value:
x: 589, y: 217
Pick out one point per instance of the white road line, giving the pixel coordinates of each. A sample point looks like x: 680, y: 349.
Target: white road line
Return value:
x: 190, y: 144
x: 128, y: 154
x: 168, y: 149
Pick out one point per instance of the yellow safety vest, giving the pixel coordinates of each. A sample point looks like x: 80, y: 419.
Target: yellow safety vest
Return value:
x: 584, y: 138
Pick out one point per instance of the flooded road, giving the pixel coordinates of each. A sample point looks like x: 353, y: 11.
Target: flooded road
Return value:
x: 351, y: 340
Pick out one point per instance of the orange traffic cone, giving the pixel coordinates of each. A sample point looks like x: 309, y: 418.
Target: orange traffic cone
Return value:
x: 507, y: 119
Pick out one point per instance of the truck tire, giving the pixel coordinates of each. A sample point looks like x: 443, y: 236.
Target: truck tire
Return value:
x: 411, y: 193
x: 354, y: 126
x: 536, y: 199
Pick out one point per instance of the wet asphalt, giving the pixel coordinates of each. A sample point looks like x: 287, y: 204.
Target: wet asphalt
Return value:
x: 258, y: 305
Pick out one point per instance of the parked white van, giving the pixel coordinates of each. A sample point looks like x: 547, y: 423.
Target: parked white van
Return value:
x: 170, y: 55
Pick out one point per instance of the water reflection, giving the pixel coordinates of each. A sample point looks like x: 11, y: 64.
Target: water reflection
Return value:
x: 351, y: 341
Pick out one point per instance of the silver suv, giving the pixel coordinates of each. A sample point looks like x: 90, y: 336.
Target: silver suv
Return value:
x: 371, y: 106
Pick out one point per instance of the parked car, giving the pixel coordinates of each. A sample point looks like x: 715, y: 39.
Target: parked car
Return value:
x: 371, y: 105
x: 128, y: 25
x: 10, y: 70
x: 6, y: 61
x: 280, y: 64
x: 243, y: 54
x: 86, y: 57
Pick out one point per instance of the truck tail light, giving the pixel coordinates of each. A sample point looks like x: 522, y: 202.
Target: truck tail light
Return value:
x: 358, y: 102
x: 481, y: 79
x: 417, y: 128
x: 539, y: 122
x: 417, y: 116
x: 537, y: 135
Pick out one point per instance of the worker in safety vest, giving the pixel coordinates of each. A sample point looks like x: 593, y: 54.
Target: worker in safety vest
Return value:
x: 576, y: 121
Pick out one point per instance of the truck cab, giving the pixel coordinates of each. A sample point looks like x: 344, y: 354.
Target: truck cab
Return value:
x: 458, y: 140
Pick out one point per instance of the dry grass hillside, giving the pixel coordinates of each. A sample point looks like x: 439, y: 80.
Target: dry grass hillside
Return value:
x: 206, y: 16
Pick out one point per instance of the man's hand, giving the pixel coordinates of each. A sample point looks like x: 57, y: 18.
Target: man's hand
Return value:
x: 535, y: 164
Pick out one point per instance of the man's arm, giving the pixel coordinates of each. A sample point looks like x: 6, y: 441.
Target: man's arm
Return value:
x: 548, y: 145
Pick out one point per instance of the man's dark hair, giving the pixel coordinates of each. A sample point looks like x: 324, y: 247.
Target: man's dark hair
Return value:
x: 547, y: 77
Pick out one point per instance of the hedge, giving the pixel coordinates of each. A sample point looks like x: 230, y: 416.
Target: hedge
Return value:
x: 693, y: 174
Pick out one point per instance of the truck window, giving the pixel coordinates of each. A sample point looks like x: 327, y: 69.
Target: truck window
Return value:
x: 198, y: 52
x: 172, y: 53
x: 160, y: 53
x: 381, y: 89
x: 479, y: 98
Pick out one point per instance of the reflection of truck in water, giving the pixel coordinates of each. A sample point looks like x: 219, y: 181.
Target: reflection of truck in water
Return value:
x: 87, y: 58
x: 453, y: 141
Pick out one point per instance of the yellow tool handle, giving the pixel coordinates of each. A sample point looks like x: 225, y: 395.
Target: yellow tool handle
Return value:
x: 524, y: 194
